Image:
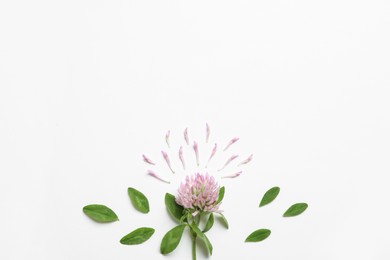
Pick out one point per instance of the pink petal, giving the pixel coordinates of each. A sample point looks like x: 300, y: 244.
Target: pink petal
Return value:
x: 166, y: 158
x: 212, y: 154
x: 232, y: 175
x: 246, y: 160
x: 186, y: 136
x: 207, y: 133
x: 153, y: 174
x: 231, y: 142
x: 228, y: 161
x: 182, y: 157
x: 196, y: 152
x: 167, y: 135
x: 147, y: 160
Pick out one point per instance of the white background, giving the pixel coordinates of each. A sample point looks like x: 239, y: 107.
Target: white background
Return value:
x: 87, y: 87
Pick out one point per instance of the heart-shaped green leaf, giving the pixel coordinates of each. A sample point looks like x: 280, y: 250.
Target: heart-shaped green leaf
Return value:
x: 258, y: 235
x: 269, y: 196
x: 173, y: 208
x: 220, y: 195
x: 172, y: 239
x: 138, y: 236
x: 224, y: 221
x: 295, y: 210
x: 100, y: 213
x: 203, y: 237
x: 209, y: 223
x: 139, y: 200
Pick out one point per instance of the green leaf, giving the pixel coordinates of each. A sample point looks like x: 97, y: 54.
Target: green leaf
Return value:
x: 100, y: 213
x: 173, y: 208
x: 209, y: 223
x: 220, y: 195
x: 138, y: 236
x: 224, y: 221
x: 139, y: 200
x: 269, y: 196
x: 203, y: 237
x: 295, y: 210
x: 172, y: 239
x: 258, y: 235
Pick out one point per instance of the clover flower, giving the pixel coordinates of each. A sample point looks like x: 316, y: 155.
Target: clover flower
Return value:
x: 198, y: 197
x: 199, y: 193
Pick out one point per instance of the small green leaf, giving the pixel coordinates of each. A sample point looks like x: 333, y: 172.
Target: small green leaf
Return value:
x: 203, y: 237
x: 208, y: 244
x: 138, y: 236
x: 139, y: 200
x: 173, y: 208
x: 258, y: 235
x: 172, y: 239
x: 221, y: 195
x: 269, y: 196
x: 209, y: 223
x: 295, y: 210
x: 100, y: 213
x: 224, y: 221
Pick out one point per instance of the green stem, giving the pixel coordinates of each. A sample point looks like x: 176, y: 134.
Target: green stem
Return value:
x: 196, y: 221
x: 193, y: 246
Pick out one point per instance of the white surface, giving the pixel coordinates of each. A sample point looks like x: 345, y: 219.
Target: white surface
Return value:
x: 86, y: 87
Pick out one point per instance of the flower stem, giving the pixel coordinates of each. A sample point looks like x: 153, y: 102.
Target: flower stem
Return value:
x: 196, y: 221
x: 193, y: 246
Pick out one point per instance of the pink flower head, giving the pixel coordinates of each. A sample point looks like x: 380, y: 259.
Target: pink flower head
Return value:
x: 199, y: 193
